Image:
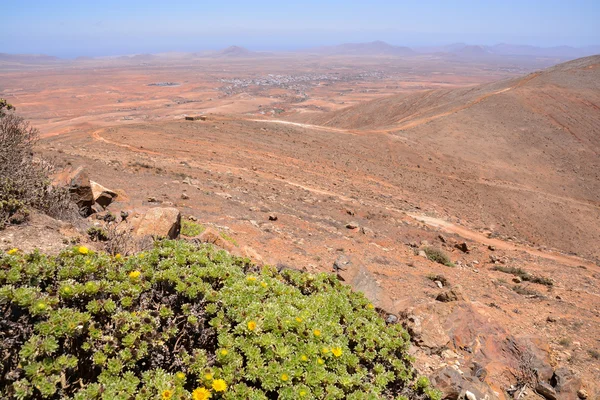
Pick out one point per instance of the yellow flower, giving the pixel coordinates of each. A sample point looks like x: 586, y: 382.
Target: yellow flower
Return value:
x: 83, y: 250
x: 303, y: 393
x: 180, y: 376
x: 298, y: 319
x: 337, y: 351
x: 285, y: 377
x: 167, y: 394
x: 251, y: 325
x: 142, y: 255
x: 370, y: 306
x: 208, y: 376
x: 12, y: 251
x: 263, y: 284
x: 134, y: 274
x: 224, y: 352
x: 303, y: 357
x: 118, y: 256
x: 320, y: 361
x: 325, y: 350
x: 219, y: 385
x: 317, y: 332
x: 201, y: 394
x: 251, y: 278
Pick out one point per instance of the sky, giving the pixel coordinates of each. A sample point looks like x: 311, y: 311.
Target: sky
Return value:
x: 71, y: 28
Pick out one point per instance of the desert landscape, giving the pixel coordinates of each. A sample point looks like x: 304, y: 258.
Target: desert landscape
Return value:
x: 364, y: 161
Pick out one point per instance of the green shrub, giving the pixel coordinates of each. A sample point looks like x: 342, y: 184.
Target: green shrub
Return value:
x: 229, y: 238
x: 438, y: 256
x: 180, y: 322
x: 191, y: 228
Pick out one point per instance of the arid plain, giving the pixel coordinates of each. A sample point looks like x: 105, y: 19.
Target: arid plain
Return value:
x: 305, y: 158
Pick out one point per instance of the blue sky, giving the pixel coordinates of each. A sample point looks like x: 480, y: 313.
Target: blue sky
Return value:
x: 70, y: 28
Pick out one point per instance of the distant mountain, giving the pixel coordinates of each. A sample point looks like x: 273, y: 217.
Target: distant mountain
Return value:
x: 28, y: 58
x: 235, y: 51
x: 557, y: 51
x: 504, y: 49
x: 473, y: 51
x: 377, y: 48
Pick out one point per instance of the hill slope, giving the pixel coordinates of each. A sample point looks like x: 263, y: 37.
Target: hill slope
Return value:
x: 527, y: 148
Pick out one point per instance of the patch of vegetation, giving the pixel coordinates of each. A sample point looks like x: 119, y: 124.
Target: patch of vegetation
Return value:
x: 97, y: 234
x: 438, y: 255
x: 190, y: 228
x: 24, y: 182
x: 565, y: 342
x: 524, y: 275
x: 525, y: 291
x: 231, y: 240
x: 181, y: 321
x: 595, y: 354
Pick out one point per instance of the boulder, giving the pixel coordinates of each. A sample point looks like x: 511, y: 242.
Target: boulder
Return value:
x: 566, y: 383
x: 454, y: 294
x: 161, y: 222
x: 212, y: 236
x: 546, y: 390
x: 456, y: 385
x: 463, y: 246
x: 469, y: 330
x: 80, y: 188
x: 102, y: 195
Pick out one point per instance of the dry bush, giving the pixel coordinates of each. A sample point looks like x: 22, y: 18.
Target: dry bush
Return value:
x: 24, y: 182
x: 119, y: 238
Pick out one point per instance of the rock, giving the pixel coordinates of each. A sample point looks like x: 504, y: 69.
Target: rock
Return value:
x: 152, y: 200
x: 250, y: 253
x: 161, y: 222
x: 341, y: 263
x: 422, y: 253
x: 367, y: 231
x: 424, y: 243
x: 272, y: 217
x: 212, y: 236
x: 582, y: 394
x: 551, y: 318
x: 185, y: 196
x: 456, y: 384
x: 546, y: 390
x: 517, y: 279
x: 391, y: 319
x: 454, y: 294
x: 491, y: 248
x: 470, y: 396
x: 350, y: 212
x: 355, y: 274
x: 96, y: 208
x: 439, y: 284
x: 102, y: 195
x: 566, y: 383
x: 352, y: 225
x: 470, y: 331
x: 463, y: 246
x: 442, y: 238
x: 80, y: 188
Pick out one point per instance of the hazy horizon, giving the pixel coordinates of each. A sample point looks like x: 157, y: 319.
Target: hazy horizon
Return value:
x: 69, y: 29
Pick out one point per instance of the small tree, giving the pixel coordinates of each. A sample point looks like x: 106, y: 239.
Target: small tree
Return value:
x: 24, y: 182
